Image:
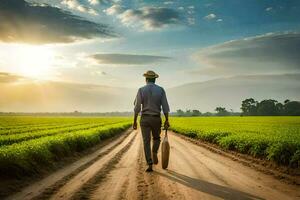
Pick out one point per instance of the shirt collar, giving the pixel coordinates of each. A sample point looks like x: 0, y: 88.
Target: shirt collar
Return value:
x: 150, y: 83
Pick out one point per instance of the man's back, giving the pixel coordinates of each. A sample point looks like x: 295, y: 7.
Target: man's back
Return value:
x: 152, y: 97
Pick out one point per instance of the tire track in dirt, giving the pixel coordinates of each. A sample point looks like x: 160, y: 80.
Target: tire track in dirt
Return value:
x: 120, y: 182
x: 128, y: 179
x: 49, y: 185
x: 91, y: 185
x: 77, y: 182
x: 148, y: 187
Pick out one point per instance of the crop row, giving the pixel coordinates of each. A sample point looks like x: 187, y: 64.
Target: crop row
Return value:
x: 26, y: 157
x: 12, y: 124
x: 8, y: 127
x: 65, y: 122
x: 15, y: 122
x: 26, y: 129
x: 11, y: 139
x: 273, y: 138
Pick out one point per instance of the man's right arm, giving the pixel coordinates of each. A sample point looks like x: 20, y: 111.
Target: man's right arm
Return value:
x: 137, y: 108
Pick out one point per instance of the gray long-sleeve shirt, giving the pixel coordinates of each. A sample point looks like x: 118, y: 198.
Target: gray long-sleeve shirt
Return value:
x: 152, y: 98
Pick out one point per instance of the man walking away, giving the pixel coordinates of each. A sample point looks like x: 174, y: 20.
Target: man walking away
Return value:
x: 150, y: 99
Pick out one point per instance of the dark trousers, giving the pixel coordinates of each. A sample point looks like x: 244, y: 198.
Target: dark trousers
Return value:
x: 150, y: 124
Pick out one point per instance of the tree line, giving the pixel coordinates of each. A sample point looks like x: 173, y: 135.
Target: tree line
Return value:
x: 251, y: 107
x: 220, y: 111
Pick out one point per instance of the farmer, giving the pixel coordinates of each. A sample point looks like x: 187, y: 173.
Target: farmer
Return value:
x: 152, y: 98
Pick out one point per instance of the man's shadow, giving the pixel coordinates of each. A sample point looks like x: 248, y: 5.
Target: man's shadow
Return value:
x: 207, y: 187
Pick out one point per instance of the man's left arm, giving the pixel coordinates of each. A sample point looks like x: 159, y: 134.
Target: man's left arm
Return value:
x: 166, y: 109
x: 135, y: 120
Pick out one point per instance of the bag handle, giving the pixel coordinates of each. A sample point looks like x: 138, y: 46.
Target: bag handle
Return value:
x: 166, y: 132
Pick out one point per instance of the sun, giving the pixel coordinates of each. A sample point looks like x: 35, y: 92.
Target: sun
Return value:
x: 34, y: 61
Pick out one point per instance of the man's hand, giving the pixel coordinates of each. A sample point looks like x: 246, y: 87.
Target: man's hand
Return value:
x: 167, y: 124
x: 134, y: 126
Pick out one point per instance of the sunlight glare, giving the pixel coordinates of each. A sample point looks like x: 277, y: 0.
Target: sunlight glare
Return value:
x: 34, y: 61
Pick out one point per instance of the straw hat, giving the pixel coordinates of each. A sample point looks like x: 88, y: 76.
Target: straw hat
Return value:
x: 150, y: 74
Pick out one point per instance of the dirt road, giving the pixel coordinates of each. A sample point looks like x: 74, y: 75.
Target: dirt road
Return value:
x: 116, y: 171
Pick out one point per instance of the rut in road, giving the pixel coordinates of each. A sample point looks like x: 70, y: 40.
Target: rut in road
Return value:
x: 194, y: 173
x: 77, y: 182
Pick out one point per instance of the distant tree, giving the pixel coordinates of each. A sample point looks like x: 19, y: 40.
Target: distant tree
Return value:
x: 221, y: 111
x: 180, y: 112
x: 292, y: 108
x: 267, y: 107
x: 188, y: 113
x: 207, y: 114
x: 286, y: 101
x: 249, y: 107
x: 76, y: 112
x: 280, y: 109
x: 196, y: 113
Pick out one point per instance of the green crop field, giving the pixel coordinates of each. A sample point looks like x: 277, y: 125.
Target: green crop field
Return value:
x: 27, y: 142
x: 273, y: 138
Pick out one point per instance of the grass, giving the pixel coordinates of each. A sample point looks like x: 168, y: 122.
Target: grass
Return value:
x: 273, y: 138
x: 24, y: 153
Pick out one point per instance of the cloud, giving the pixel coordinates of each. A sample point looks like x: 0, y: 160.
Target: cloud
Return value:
x: 127, y: 59
x: 150, y: 18
x: 41, y: 23
x: 98, y: 73
x: 269, y: 9
x: 169, y: 2
x: 191, y: 20
x: 269, y: 53
x: 114, y: 10
x: 70, y: 3
x: 208, y: 4
x: 74, y: 4
x: 9, y: 78
x: 93, y: 2
x: 210, y: 16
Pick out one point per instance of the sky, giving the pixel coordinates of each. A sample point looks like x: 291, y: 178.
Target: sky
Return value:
x: 113, y: 42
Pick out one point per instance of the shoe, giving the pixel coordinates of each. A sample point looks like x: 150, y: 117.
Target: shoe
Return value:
x: 155, y: 159
x: 149, y: 169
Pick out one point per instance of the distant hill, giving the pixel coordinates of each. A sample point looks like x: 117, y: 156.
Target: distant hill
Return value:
x: 229, y: 92
x: 205, y: 96
x: 64, y: 97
